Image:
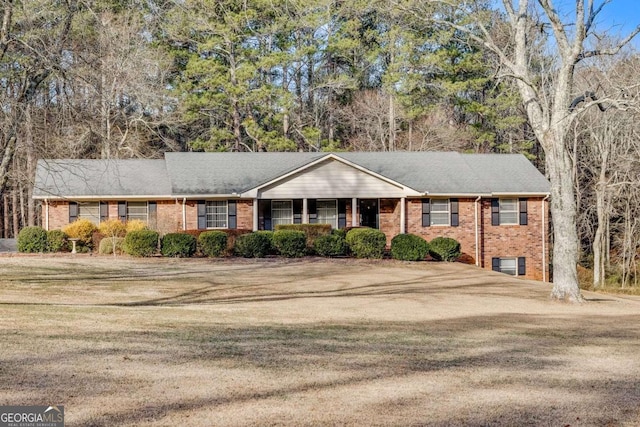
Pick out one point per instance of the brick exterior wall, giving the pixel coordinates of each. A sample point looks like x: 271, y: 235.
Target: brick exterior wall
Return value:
x: 389, y: 218
x: 58, y: 215
x: 244, y: 214
x: 463, y: 233
x: 511, y: 241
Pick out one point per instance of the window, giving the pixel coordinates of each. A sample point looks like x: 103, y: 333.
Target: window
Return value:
x: 138, y: 211
x: 509, y: 212
x: 508, y: 266
x: 217, y: 214
x: 90, y: 211
x: 327, y: 211
x: 439, y: 212
x: 281, y: 212
x: 511, y: 266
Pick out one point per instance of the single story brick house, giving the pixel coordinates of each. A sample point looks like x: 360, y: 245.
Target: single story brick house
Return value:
x: 495, y: 205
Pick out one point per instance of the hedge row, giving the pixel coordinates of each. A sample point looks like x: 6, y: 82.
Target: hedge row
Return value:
x: 288, y: 241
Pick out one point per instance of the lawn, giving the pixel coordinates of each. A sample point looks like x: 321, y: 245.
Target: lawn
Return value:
x: 166, y: 342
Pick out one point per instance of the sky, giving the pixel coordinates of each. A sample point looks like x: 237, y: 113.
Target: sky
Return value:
x: 620, y: 17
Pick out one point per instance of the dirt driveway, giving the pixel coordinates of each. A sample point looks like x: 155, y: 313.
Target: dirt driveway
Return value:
x: 196, y: 342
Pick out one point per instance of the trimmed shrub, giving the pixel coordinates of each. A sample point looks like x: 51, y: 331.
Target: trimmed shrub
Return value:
x: 444, y: 249
x: 330, y: 245
x: 140, y: 243
x: 342, y: 232
x: 311, y: 231
x: 409, y: 247
x: 135, y: 225
x: 290, y: 243
x: 253, y: 245
x: 366, y: 242
x: 213, y: 243
x: 108, y: 244
x: 178, y: 245
x: 32, y: 240
x: 56, y: 240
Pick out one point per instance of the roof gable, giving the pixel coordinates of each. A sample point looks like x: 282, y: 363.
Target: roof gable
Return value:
x: 331, y: 177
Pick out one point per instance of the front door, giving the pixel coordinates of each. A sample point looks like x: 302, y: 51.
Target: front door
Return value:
x: 369, y: 213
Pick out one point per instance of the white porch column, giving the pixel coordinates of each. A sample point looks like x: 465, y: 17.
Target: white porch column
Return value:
x: 46, y: 214
x: 403, y: 215
x: 354, y: 213
x: 255, y: 215
x: 305, y: 211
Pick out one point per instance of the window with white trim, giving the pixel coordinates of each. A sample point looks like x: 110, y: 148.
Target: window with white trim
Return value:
x: 440, y: 212
x: 138, y: 211
x: 509, y: 266
x: 281, y: 212
x: 509, y: 212
x: 514, y: 266
x: 327, y: 211
x: 90, y: 211
x: 217, y: 214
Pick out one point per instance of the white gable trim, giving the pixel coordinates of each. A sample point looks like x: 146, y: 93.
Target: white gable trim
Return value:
x: 407, y: 191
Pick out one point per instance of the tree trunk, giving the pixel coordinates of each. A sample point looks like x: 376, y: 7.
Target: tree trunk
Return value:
x: 5, y: 225
x: 563, y: 211
x: 14, y: 212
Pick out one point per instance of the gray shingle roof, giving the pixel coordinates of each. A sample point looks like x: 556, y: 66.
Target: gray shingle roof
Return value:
x: 206, y: 174
x: 104, y: 178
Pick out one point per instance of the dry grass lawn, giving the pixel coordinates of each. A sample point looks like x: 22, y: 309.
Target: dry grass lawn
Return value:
x: 164, y: 342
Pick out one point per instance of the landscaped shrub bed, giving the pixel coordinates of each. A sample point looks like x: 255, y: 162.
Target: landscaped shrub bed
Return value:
x: 330, y: 245
x: 290, y: 243
x: 444, y: 249
x: 141, y: 243
x: 178, y: 245
x: 32, y: 240
x: 213, y: 243
x: 409, y: 247
x: 366, y: 242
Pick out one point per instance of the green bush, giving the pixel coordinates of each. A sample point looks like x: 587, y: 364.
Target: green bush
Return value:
x: 213, y: 243
x: 444, y: 249
x: 140, y: 243
x: 32, y: 240
x: 330, y: 245
x: 107, y: 245
x: 339, y: 232
x: 366, y: 242
x: 253, y: 245
x: 56, y: 240
x: 178, y: 245
x: 409, y: 247
x: 290, y: 243
x: 311, y: 231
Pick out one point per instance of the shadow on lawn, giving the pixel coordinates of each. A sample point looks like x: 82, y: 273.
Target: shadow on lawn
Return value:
x: 527, y: 350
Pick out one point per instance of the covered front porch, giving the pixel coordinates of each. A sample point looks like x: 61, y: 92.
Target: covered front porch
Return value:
x: 386, y: 214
